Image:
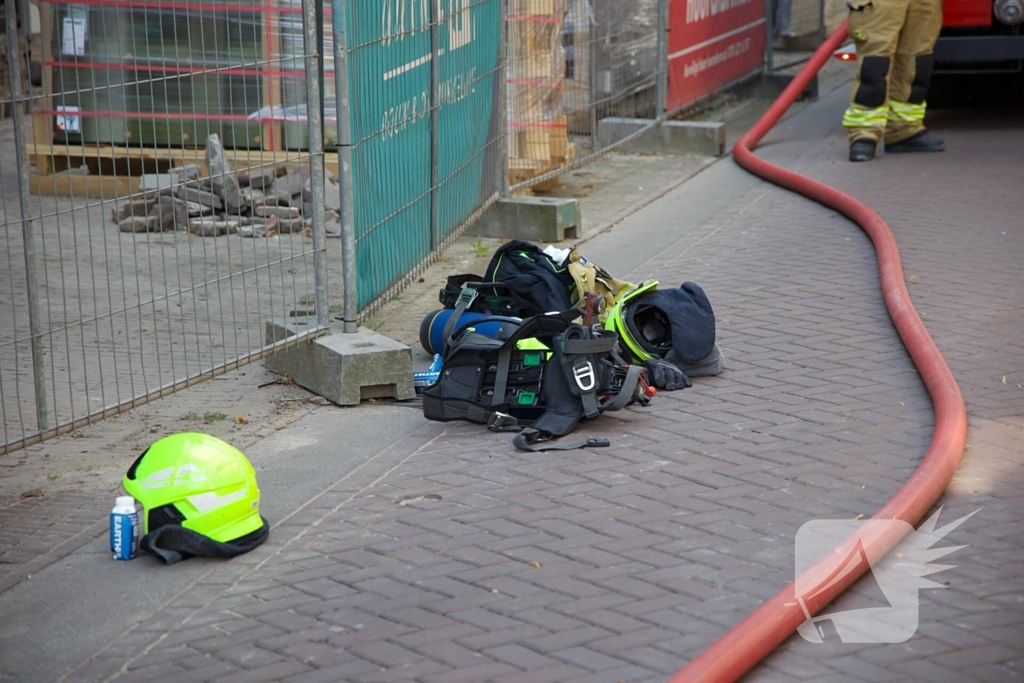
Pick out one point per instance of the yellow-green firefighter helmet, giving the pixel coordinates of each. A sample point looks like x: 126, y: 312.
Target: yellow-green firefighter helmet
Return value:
x: 642, y: 344
x: 198, y: 481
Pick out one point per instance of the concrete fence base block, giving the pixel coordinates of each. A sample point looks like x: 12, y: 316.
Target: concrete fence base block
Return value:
x: 344, y: 368
x: 534, y: 219
x: 706, y: 138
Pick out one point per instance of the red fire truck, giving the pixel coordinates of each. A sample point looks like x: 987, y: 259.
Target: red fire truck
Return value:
x: 980, y: 53
x: 981, y: 31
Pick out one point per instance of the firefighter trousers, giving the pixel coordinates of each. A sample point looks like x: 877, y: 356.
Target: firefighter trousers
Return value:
x: 894, y: 40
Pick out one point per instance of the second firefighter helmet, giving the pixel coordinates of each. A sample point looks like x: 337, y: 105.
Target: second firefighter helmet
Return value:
x: 644, y: 330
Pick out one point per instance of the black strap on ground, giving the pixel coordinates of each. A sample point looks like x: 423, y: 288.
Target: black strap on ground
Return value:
x: 524, y: 442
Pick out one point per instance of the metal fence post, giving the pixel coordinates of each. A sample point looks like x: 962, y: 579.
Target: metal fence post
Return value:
x: 661, y: 88
x: 592, y: 77
x: 27, y: 229
x: 821, y: 22
x: 314, y: 119
x: 318, y: 8
x: 502, y: 75
x: 344, y: 146
x: 435, y: 106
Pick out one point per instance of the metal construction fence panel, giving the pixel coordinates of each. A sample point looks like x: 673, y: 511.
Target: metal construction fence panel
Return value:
x: 165, y: 194
x: 155, y: 213
x: 795, y: 19
x: 572, y: 63
x: 425, y: 78
x: 797, y: 28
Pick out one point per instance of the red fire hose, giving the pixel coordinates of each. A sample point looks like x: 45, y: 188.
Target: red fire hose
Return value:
x: 772, y: 623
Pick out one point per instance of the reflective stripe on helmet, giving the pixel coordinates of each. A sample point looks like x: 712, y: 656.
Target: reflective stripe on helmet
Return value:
x: 211, y: 500
x: 172, y: 476
x: 209, y: 483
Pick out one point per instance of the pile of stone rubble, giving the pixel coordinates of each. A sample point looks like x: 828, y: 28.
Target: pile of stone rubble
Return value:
x: 261, y: 202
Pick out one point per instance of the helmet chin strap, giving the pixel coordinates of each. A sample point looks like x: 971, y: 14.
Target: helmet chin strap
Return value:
x: 199, y: 496
x: 172, y: 543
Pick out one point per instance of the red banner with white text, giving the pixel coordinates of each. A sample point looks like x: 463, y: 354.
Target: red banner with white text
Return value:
x: 711, y: 44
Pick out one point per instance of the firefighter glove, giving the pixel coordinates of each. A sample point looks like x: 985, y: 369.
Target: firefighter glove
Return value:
x: 666, y: 376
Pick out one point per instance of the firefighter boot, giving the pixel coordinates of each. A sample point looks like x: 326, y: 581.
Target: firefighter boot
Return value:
x: 862, y: 149
x: 918, y: 142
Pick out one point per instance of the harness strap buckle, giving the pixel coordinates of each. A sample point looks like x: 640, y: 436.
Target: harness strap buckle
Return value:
x: 467, y: 295
x: 499, y: 421
x: 583, y: 373
x: 462, y: 304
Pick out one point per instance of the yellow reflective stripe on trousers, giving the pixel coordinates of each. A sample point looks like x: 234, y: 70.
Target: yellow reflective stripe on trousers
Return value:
x: 865, y: 118
x: 906, y: 112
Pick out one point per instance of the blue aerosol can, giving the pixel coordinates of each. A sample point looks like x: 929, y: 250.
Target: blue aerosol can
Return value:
x: 124, y: 528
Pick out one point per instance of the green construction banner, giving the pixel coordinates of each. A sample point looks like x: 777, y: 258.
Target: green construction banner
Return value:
x: 391, y: 67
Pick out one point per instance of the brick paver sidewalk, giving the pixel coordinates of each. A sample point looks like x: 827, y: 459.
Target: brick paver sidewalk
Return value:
x: 70, y: 496
x: 451, y: 557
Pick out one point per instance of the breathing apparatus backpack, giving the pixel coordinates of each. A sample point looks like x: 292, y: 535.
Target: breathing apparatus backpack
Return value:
x: 542, y: 378
x: 522, y: 280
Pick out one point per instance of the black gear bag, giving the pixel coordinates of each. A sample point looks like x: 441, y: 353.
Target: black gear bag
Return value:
x: 521, y: 280
x: 546, y: 376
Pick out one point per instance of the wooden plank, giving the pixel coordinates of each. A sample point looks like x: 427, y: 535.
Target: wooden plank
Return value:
x: 559, y: 140
x: 241, y: 158
x: 109, y: 187
x: 42, y: 124
x: 273, y: 131
x: 534, y: 7
x: 528, y: 37
x: 529, y: 143
x: 519, y: 175
x: 87, y: 186
x: 543, y: 68
x: 527, y: 164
